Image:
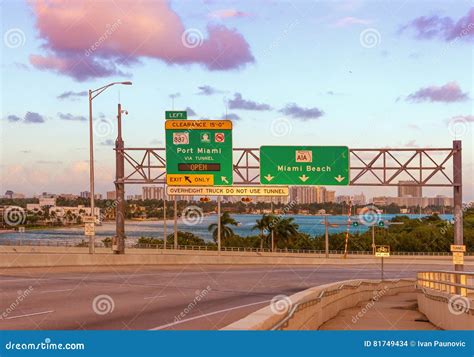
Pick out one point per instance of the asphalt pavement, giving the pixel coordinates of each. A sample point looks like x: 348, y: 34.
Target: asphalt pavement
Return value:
x: 160, y: 297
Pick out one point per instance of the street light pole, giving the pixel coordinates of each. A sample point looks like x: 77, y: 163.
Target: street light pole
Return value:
x: 119, y: 246
x: 91, y: 173
x: 92, y: 95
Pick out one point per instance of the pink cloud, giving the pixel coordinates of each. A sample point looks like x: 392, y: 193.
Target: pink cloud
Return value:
x: 227, y: 14
x: 444, y: 28
x: 448, y: 93
x: 349, y: 21
x: 89, y: 38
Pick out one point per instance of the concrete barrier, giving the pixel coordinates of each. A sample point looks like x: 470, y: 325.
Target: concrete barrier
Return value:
x: 447, y: 311
x: 31, y: 256
x: 309, y: 309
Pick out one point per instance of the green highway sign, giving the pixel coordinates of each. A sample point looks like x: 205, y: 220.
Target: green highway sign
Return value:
x: 199, y: 152
x: 304, y: 165
x: 176, y: 114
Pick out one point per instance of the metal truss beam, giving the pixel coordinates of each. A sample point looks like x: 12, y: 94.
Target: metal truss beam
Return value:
x: 368, y: 167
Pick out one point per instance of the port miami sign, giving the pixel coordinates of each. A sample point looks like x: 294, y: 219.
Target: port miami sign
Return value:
x: 199, y: 152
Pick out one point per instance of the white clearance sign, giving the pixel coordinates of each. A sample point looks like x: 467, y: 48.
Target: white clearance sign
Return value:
x: 228, y: 191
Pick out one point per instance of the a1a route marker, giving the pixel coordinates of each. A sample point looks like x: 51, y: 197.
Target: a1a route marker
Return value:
x: 199, y: 152
x: 304, y: 165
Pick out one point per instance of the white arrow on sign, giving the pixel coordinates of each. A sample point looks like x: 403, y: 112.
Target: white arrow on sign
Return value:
x: 339, y: 178
x: 224, y: 179
x: 268, y: 177
x: 304, y: 178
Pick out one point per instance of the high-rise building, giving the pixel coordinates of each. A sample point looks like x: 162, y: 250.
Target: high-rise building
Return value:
x: 407, y: 189
x: 303, y: 194
x: 111, y: 195
x: 320, y: 194
x: 359, y: 199
x: 330, y: 196
x: 308, y: 194
x: 152, y: 193
x: 85, y: 194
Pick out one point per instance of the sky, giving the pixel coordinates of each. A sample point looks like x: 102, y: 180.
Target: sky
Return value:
x: 364, y: 74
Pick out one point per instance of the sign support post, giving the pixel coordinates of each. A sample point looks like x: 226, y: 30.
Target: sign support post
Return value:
x: 175, y: 245
x: 164, y: 217
x: 457, y: 197
x: 373, y: 239
x: 273, y: 235
x: 382, y: 268
x: 382, y: 251
x: 219, y: 224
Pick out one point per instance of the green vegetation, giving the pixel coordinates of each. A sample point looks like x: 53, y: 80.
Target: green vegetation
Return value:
x: 226, y: 231
x: 428, y: 234
x: 184, y: 238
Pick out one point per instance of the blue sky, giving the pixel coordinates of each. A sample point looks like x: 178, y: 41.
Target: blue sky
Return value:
x: 311, y: 57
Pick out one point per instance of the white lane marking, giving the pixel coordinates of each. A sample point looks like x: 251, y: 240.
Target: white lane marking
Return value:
x: 154, y: 297
x: 26, y: 315
x: 55, y: 291
x: 209, y: 314
x: 325, y: 269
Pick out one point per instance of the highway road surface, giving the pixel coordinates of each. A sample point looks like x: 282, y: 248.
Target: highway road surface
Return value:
x: 160, y: 297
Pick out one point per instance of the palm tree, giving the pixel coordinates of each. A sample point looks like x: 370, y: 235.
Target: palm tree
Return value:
x: 283, y: 229
x: 262, y: 225
x: 226, y: 232
x: 68, y: 216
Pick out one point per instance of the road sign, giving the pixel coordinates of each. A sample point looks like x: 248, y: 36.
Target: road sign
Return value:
x: 199, y: 152
x: 458, y: 258
x: 176, y: 114
x: 382, y: 251
x: 458, y: 248
x: 304, y: 165
x: 88, y: 219
x: 228, y: 191
x: 89, y: 229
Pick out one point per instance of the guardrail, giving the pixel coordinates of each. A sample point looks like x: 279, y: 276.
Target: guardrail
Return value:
x: 450, y: 282
x: 446, y: 298
x: 210, y: 247
x: 309, y: 309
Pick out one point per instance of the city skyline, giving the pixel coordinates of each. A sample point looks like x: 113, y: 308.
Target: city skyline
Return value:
x: 408, y: 196
x: 331, y: 59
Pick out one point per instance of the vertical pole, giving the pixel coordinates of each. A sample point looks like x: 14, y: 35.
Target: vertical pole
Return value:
x: 273, y: 235
x: 346, y: 243
x: 457, y: 197
x: 382, y: 268
x: 91, y: 172
x: 164, y: 216
x: 373, y: 239
x: 175, y: 223
x: 219, y: 223
x: 326, y: 237
x: 119, y: 187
